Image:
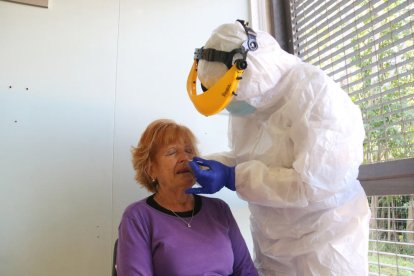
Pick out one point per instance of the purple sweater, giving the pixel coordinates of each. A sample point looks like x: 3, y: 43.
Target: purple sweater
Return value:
x: 153, y: 241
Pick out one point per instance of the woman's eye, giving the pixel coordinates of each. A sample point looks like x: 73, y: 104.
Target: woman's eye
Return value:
x: 171, y: 152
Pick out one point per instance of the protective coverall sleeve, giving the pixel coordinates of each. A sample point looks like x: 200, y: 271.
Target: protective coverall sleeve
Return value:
x: 226, y: 158
x: 325, y: 133
x: 260, y: 184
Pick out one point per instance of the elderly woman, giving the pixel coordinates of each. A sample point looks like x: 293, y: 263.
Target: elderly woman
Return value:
x: 171, y: 232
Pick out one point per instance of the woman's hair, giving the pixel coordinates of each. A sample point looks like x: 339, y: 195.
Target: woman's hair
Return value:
x: 157, y: 134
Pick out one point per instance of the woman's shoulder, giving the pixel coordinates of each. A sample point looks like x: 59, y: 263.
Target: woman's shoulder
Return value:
x: 136, y: 208
x: 213, y: 201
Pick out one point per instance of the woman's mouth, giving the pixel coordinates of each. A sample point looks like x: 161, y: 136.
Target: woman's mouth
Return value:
x: 181, y: 171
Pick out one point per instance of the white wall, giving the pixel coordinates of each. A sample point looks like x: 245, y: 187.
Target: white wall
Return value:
x: 79, y: 82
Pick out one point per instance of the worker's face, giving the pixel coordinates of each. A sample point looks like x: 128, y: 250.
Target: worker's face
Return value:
x: 170, y: 166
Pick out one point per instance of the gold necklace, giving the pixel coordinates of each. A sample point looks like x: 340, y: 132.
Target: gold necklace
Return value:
x: 188, y: 223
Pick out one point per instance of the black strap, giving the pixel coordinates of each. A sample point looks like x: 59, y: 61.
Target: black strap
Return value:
x: 251, y: 44
x: 211, y: 54
x: 227, y: 58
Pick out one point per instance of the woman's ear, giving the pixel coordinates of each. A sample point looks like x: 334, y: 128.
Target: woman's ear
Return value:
x: 150, y: 172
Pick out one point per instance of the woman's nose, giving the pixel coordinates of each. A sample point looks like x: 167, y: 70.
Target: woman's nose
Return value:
x: 185, y: 157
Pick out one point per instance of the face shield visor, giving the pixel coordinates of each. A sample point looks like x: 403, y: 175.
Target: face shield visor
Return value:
x: 219, y: 95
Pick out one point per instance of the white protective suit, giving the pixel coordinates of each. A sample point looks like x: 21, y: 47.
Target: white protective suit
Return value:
x: 297, y: 158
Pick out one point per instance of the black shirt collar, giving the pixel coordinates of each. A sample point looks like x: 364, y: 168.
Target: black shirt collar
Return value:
x: 197, y: 206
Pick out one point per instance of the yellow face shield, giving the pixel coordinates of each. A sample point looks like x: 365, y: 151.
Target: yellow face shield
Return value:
x: 219, y: 95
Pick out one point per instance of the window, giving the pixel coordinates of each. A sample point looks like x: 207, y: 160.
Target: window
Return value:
x: 368, y: 48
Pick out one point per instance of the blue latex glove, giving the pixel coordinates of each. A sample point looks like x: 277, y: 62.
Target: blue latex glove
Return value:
x: 212, y: 177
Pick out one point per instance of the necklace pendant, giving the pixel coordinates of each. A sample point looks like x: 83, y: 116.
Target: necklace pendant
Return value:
x: 188, y: 225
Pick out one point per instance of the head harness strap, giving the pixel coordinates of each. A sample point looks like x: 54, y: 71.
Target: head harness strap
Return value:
x: 250, y: 44
x: 211, y: 54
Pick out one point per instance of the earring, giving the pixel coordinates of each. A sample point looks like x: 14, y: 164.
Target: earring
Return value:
x: 154, y: 184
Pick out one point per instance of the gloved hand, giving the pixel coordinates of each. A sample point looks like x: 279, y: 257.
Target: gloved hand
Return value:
x: 212, y: 179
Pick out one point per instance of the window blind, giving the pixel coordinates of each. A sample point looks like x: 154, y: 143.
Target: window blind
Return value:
x: 368, y: 48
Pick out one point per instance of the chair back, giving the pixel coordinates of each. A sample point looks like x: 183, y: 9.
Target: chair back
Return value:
x: 114, y: 259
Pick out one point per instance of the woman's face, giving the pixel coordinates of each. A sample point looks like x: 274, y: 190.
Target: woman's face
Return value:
x: 170, y: 166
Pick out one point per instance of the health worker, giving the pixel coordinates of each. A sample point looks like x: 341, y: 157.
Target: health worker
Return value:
x: 296, y: 142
